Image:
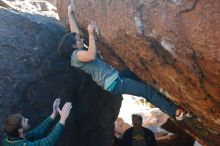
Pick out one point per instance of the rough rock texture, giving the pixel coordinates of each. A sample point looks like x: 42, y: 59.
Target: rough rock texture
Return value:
x: 62, y: 7
x: 181, y: 137
x: 32, y: 76
x: 53, y: 2
x: 171, y: 44
x: 31, y: 6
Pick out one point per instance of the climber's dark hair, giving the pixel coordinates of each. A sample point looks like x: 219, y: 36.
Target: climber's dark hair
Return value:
x: 66, y: 43
x: 138, y: 116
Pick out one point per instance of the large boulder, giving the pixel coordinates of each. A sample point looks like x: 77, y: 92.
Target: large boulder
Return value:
x: 32, y: 75
x: 170, y: 44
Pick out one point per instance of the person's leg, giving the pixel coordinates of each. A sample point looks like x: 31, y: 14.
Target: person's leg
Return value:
x: 132, y: 87
x: 127, y: 73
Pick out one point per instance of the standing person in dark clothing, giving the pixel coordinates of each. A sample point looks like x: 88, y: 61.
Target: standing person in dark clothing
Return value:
x: 137, y: 135
x: 16, y: 128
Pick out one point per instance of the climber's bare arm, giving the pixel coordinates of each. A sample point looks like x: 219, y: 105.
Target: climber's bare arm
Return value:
x: 72, y: 20
x: 90, y: 54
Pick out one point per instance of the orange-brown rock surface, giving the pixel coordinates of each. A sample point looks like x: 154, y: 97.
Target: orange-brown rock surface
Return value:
x: 173, y: 45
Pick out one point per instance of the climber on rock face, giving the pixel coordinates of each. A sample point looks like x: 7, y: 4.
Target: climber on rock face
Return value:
x: 105, y: 75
